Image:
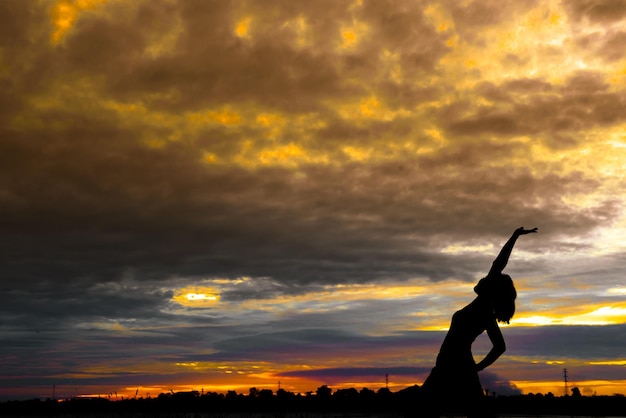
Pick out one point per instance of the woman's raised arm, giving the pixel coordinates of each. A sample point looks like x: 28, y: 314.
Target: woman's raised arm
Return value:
x: 503, y: 258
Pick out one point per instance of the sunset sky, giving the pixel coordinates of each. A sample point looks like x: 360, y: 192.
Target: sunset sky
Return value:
x: 219, y: 195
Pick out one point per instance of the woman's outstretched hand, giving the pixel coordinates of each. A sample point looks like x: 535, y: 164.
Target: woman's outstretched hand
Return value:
x: 522, y: 231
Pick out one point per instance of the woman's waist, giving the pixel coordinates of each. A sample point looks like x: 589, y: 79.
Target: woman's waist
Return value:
x: 456, y: 354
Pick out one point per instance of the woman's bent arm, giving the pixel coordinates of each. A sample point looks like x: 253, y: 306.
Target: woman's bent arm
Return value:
x: 499, y: 347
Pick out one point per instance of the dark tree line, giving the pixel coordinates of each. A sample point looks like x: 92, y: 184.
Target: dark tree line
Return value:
x: 404, y: 403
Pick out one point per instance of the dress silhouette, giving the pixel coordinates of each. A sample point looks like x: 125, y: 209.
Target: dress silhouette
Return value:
x: 453, y: 383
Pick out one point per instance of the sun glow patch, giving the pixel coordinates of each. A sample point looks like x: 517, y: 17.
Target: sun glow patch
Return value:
x: 197, y: 297
x: 200, y: 296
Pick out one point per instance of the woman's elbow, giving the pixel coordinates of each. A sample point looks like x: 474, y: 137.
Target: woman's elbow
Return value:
x: 500, y: 348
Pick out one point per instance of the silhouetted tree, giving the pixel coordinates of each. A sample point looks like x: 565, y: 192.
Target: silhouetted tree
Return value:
x: 367, y: 397
x: 266, y: 394
x: 324, y: 392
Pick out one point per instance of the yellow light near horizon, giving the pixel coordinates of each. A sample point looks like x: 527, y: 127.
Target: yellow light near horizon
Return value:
x: 608, y: 363
x: 535, y: 320
x: 594, y: 315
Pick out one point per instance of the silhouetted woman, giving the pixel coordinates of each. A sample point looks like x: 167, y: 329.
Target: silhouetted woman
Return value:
x: 454, y: 379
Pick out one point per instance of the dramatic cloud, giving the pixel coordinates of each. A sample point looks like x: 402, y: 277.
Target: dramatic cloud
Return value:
x: 221, y: 193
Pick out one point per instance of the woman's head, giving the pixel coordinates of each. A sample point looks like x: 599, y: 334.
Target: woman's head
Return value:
x: 501, y: 292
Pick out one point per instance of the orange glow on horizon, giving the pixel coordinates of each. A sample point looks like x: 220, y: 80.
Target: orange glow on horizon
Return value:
x: 302, y: 386
x: 587, y: 387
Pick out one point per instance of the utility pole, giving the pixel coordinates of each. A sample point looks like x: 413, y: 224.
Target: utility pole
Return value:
x: 386, y: 380
x: 565, y: 380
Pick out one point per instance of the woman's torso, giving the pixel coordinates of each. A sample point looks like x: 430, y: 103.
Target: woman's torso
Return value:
x: 467, y: 324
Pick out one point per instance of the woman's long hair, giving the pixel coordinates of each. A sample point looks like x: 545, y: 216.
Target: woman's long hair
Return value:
x: 500, y: 291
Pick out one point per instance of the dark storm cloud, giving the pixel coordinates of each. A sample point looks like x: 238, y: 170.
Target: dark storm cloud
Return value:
x: 92, y: 301
x: 607, y: 46
x: 612, y: 49
x: 57, y: 305
x: 583, y: 102
x: 170, y: 218
x: 85, y: 201
x: 469, y: 16
x: 597, y: 11
x: 403, y: 27
x: 367, y: 134
x: 244, y: 71
x: 211, y: 65
x: 89, y: 203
